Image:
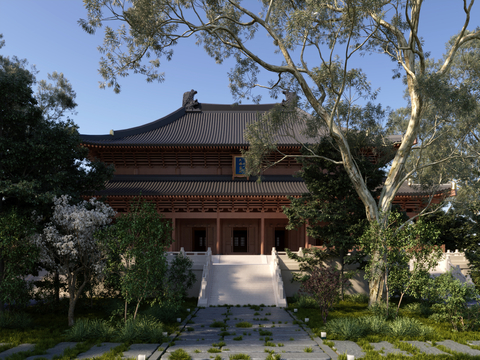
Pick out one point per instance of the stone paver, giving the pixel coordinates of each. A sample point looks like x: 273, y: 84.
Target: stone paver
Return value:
x: 19, y: 348
x: 56, y: 350
x: 426, y: 348
x: 475, y: 343
x: 271, y: 330
x: 349, y: 348
x: 452, y: 345
x: 388, y: 348
x: 97, y: 350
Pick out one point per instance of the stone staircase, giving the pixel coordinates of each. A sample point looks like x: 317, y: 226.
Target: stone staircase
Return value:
x: 240, y: 280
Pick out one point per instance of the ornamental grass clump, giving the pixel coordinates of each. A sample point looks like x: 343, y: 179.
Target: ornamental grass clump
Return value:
x: 347, y: 328
x: 179, y: 354
x: 90, y: 329
x: 14, y: 320
x: 143, y: 329
x: 353, y: 328
x: 407, y: 327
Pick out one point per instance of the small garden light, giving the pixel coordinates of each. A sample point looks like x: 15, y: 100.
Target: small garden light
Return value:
x: 323, y: 335
x: 350, y: 357
x: 295, y: 310
x: 141, y: 357
x: 188, y: 310
x: 179, y: 319
x: 307, y: 319
x: 165, y: 334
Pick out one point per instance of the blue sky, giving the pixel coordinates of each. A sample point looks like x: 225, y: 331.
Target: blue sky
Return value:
x: 45, y: 32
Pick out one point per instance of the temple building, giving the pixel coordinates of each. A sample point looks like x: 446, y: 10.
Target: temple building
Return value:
x: 189, y: 163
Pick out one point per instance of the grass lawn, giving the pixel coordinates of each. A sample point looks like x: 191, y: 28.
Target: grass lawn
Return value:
x: 50, y: 324
x: 350, y: 309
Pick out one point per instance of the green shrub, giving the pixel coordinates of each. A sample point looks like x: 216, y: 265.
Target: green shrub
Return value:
x: 347, y: 328
x: 239, y: 356
x: 306, y: 302
x: 273, y: 357
x: 90, y: 329
x: 214, y: 350
x: 450, y: 299
x: 218, y: 324
x: 419, y: 308
x: 244, y: 324
x: 179, y: 354
x: 15, y: 320
x: 265, y: 333
x: 144, y: 329
x: 374, y: 324
x: 357, y: 298
x: 406, y: 327
x: 165, y: 313
x: 379, y: 309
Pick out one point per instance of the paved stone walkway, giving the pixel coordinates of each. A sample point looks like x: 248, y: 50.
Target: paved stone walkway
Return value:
x: 272, y: 331
x: 268, y: 329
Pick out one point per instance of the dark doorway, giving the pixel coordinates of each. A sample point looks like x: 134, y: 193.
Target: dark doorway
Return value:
x: 240, y: 240
x: 199, y: 240
x: 280, y: 240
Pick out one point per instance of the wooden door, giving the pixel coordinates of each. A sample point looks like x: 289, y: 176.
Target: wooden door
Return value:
x: 240, y: 240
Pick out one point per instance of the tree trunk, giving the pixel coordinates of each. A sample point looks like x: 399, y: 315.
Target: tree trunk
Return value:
x: 2, y: 270
x: 376, y: 283
x: 56, y: 286
x: 74, y: 295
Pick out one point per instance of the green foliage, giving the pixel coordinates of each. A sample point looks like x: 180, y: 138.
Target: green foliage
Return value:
x: 180, y: 276
x: 357, y: 298
x: 334, y: 214
x: 15, y: 320
x: 18, y: 255
x: 398, y: 242
x: 40, y: 155
x: 243, y: 324
x: 141, y: 329
x: 450, y: 302
x: 273, y: 356
x: 350, y: 328
x: 167, y: 312
x: 305, y: 301
x: 218, y: 324
x: 179, y: 354
x: 239, y: 357
x: 90, y: 329
x: 323, y: 285
x: 140, y: 232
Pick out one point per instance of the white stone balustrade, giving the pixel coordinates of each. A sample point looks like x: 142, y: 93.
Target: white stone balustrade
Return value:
x: 277, y: 280
x: 203, y: 296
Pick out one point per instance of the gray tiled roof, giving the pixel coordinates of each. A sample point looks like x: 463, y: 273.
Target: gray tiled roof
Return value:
x: 214, y: 125
x: 219, y: 185
x: 417, y: 190
x: 223, y: 185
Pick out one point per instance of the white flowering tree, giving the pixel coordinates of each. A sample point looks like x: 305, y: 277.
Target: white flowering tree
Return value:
x: 68, y: 244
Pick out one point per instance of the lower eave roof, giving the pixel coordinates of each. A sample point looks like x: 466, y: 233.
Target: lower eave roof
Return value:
x: 219, y: 185
x: 223, y: 185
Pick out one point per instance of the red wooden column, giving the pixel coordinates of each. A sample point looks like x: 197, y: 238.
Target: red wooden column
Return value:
x: 262, y: 235
x: 306, y: 236
x: 219, y: 235
x: 175, y: 242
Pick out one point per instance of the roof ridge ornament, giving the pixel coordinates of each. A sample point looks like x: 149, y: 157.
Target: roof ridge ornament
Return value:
x: 188, y: 102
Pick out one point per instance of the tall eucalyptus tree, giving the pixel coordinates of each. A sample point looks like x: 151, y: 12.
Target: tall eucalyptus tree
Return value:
x: 315, y: 43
